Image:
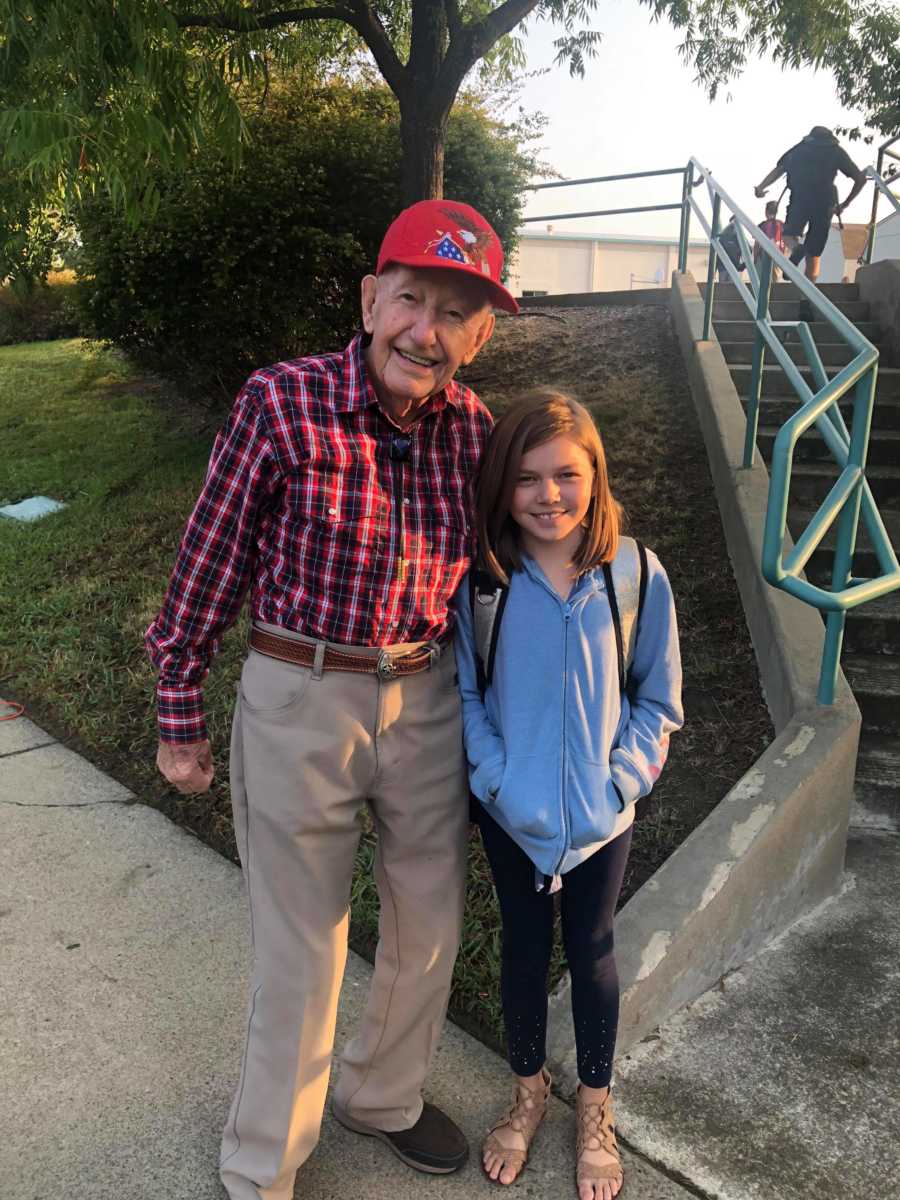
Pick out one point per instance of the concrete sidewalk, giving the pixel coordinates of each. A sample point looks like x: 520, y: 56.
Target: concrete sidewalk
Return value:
x: 122, y: 982
x: 122, y: 976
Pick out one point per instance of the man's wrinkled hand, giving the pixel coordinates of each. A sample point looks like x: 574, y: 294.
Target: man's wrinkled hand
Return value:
x: 189, y: 767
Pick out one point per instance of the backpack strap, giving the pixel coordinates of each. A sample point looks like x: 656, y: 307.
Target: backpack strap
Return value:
x: 626, y: 587
x: 617, y: 622
x: 487, y: 600
x: 642, y: 584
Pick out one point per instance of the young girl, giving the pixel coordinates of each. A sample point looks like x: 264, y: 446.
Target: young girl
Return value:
x: 558, y: 754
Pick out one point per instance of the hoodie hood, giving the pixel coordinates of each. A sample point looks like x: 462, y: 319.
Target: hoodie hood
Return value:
x: 820, y: 133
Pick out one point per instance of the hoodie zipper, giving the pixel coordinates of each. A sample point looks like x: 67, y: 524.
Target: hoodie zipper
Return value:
x: 567, y: 616
x: 566, y: 607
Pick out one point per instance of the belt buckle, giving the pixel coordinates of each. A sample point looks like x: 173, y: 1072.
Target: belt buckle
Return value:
x: 385, y: 668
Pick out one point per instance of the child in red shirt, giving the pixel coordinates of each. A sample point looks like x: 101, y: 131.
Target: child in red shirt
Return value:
x: 774, y: 231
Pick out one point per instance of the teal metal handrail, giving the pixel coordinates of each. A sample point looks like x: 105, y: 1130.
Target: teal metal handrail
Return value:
x: 876, y: 174
x: 606, y: 212
x: 851, y: 495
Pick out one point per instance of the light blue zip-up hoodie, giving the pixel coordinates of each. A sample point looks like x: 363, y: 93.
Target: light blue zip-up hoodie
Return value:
x: 555, y: 751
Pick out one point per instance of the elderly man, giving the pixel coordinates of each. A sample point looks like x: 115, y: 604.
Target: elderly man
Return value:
x: 338, y: 493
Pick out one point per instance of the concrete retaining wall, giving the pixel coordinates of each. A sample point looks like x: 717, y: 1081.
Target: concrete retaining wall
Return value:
x: 879, y: 284
x: 774, y: 846
x: 598, y: 299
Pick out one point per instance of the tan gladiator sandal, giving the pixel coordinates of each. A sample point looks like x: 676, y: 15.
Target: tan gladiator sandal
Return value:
x: 525, y: 1113
x: 596, y: 1131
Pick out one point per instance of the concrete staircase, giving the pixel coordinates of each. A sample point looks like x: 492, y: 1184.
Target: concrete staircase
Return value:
x: 871, y: 657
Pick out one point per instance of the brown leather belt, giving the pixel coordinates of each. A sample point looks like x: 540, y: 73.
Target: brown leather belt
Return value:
x: 385, y: 665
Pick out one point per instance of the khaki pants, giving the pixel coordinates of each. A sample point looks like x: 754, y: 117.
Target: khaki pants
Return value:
x: 307, y: 753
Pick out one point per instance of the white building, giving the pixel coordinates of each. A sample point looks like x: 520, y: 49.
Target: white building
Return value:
x: 887, y: 238
x: 553, y: 263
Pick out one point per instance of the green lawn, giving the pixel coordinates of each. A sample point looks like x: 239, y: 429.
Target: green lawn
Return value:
x: 78, y: 588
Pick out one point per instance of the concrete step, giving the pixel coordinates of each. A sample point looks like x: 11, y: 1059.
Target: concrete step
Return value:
x: 831, y: 353
x: 837, y: 293
x: 775, y: 410
x: 879, y: 761
x: 874, y: 808
x: 783, y: 310
x: 776, y: 383
x: 810, y: 482
x: 884, y: 446
x: 822, y: 332
x: 875, y: 680
x: 874, y: 628
x: 865, y: 564
x: 877, y: 784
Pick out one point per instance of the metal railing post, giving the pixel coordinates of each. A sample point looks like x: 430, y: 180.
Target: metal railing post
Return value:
x: 870, y: 240
x: 848, y: 523
x: 759, y: 353
x: 685, y: 218
x: 711, y: 272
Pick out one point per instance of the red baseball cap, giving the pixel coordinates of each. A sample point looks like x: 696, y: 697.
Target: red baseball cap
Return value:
x: 447, y: 233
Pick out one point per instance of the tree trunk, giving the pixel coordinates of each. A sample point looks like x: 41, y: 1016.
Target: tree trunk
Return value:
x: 422, y: 136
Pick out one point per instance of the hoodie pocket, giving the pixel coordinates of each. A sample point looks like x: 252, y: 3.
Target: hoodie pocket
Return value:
x: 592, y: 802
x: 529, y: 795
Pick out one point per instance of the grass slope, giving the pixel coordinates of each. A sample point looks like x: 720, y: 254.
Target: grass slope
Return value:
x: 78, y: 589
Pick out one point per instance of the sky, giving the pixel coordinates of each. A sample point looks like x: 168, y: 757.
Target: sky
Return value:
x: 638, y: 108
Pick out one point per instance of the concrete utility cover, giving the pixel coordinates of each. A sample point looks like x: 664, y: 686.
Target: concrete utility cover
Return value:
x: 31, y: 509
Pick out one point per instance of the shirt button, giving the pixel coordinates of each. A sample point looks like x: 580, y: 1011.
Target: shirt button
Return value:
x: 406, y: 500
x: 332, y: 512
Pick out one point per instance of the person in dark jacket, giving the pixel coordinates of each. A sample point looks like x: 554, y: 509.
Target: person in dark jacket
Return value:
x: 728, y: 239
x: 811, y: 167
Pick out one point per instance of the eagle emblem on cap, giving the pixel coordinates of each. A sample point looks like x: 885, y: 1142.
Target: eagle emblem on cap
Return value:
x: 467, y: 243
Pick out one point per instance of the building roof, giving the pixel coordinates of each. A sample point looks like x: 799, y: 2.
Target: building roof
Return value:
x: 604, y: 237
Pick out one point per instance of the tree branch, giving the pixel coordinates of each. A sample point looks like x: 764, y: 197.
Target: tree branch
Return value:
x: 369, y: 27
x: 257, y: 21
x: 427, y: 43
x: 454, y: 20
x: 497, y: 23
x: 355, y: 13
x: 473, y: 41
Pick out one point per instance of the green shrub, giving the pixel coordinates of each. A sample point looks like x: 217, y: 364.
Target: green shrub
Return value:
x: 41, y: 313
x: 241, y: 269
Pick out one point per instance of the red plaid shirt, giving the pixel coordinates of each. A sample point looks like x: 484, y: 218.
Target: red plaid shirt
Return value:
x: 304, y: 504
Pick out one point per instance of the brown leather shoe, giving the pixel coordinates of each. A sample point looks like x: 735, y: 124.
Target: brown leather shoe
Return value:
x: 434, y: 1144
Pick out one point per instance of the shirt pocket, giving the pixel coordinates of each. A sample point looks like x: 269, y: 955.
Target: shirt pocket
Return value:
x: 330, y: 494
x: 338, y: 515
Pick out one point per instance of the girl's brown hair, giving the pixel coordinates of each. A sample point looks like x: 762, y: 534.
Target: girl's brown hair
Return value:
x: 535, y: 418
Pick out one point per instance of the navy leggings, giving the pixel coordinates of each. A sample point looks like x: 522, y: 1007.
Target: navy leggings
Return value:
x: 588, y: 904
